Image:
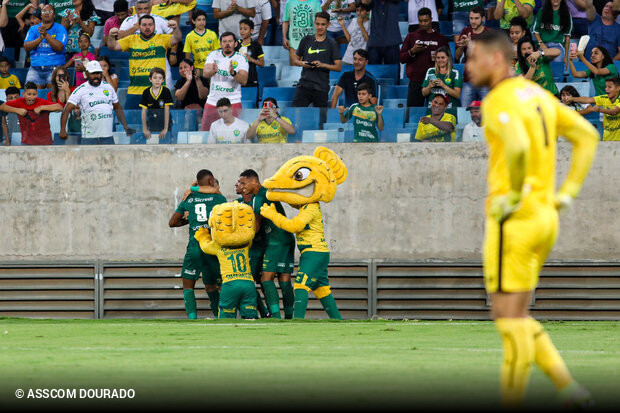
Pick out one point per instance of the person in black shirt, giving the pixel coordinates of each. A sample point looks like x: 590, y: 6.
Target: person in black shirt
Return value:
x: 156, y: 103
x: 252, y: 51
x: 317, y: 54
x: 350, y: 80
x: 190, y: 90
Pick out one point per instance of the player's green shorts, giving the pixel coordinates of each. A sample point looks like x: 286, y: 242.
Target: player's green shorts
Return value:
x: 238, y: 295
x: 279, y: 258
x: 312, y: 271
x: 256, y: 263
x: 197, y: 262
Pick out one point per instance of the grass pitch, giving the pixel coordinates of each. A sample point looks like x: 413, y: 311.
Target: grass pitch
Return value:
x: 287, y: 365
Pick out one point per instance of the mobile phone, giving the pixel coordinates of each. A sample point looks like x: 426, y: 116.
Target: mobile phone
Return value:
x: 268, y: 105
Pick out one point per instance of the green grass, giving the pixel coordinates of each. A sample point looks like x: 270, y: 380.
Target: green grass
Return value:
x: 292, y: 365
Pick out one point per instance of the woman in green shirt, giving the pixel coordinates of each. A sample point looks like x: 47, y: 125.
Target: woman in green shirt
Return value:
x: 443, y: 79
x: 600, y: 67
x: 534, y: 65
x: 553, y: 26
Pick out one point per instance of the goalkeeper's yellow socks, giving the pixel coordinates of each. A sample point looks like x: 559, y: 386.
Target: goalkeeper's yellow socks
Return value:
x: 329, y: 304
x: 301, y: 303
x: 271, y: 298
x: 214, y: 301
x: 288, y: 298
x: 190, y: 303
x: 519, y: 352
x: 548, y: 358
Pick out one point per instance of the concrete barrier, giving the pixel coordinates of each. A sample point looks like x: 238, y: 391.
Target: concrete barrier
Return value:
x: 400, y: 201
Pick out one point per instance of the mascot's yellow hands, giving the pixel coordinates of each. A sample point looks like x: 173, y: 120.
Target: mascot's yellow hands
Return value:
x: 269, y: 211
x: 202, y: 235
x: 502, y: 206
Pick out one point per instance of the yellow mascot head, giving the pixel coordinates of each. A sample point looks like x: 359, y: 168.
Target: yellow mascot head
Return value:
x: 307, y: 179
x: 232, y: 224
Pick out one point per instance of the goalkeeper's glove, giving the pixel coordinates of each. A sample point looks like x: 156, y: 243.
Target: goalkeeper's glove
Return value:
x: 502, y: 206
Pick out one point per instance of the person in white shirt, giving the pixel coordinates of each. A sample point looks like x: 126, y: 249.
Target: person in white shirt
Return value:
x: 412, y: 10
x: 231, y: 12
x: 96, y: 100
x: 261, y: 21
x: 338, y: 9
x: 357, y: 33
x: 474, y: 131
x: 228, y: 129
x: 228, y: 71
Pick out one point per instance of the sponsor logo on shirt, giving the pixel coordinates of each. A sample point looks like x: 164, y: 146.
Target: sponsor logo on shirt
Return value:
x: 315, y: 51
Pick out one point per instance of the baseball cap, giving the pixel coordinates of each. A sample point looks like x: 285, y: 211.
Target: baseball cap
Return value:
x: 474, y: 104
x: 93, y: 67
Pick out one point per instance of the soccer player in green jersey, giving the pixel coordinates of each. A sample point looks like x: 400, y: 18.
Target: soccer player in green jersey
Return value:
x: 279, y: 249
x: 198, y: 207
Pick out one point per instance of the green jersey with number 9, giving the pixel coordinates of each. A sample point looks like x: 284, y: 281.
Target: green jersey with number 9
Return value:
x: 199, y: 207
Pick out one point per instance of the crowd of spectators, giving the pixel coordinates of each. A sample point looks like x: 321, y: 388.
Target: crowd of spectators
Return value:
x: 218, y: 46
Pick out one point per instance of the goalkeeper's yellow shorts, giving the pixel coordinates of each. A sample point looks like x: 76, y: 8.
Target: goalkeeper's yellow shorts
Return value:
x: 515, y: 250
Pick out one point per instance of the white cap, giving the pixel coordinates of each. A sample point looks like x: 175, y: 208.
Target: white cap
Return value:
x: 93, y: 67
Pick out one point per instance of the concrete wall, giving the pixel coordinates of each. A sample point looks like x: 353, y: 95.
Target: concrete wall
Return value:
x: 400, y: 201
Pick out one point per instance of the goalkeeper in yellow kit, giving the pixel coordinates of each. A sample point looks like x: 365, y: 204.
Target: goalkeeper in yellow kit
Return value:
x: 522, y: 122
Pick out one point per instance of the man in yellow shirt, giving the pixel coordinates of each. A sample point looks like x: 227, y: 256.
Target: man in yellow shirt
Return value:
x: 608, y: 104
x: 522, y: 122
x: 439, y: 126
x: 270, y: 127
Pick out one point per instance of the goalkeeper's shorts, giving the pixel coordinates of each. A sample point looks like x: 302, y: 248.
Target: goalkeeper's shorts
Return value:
x: 515, y: 250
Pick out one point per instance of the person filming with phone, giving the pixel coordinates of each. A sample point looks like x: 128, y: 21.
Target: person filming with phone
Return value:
x: 270, y: 127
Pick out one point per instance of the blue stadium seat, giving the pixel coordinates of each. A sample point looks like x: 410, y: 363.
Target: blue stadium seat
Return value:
x: 445, y: 27
x: 16, y: 139
x: 395, y: 103
x: 249, y: 115
x: 415, y: 113
x: 302, y: 119
x: 322, y: 136
x: 20, y: 72
x: 396, y: 135
x: 617, y: 63
x: 42, y: 93
x: 343, y: 47
x: 385, y: 71
x: 9, y: 53
x: 113, y: 54
x: 460, y: 67
x: 291, y: 73
x: 279, y: 93
x: 122, y: 72
x: 184, y: 120
x: 174, y: 73
x: 557, y: 70
x: 394, y: 92
x: 338, y: 126
x: 271, y: 53
x: 133, y: 116
x: 249, y: 93
x: 122, y: 95
x: 394, y: 117
x: 332, y: 116
x: 403, y: 26
x: 452, y: 46
x: 249, y: 104
x: 266, y: 76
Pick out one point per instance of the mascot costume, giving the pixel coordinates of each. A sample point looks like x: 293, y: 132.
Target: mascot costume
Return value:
x: 303, y: 182
x: 232, y: 227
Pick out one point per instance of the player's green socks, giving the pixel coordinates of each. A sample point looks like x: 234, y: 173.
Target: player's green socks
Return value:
x: 519, y: 352
x: 190, y: 303
x: 548, y: 358
x: 329, y: 304
x: 262, y: 310
x: 288, y: 298
x: 301, y: 303
x: 271, y: 297
x: 214, y: 301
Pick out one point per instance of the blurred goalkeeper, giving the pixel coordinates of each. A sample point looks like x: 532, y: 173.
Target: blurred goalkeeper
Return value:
x: 522, y: 122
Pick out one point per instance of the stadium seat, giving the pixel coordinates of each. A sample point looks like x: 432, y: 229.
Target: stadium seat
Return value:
x: 385, y: 72
x: 174, y: 73
x: 122, y: 72
x: 322, y: 136
x: 452, y: 46
x: 290, y: 73
x: 338, y: 126
x: 197, y: 137
x: 279, y: 65
x: 557, y: 70
x: 395, y: 103
x: 16, y: 139
x: 404, y: 29
x: 54, y: 120
x: 42, y: 93
x: 302, y: 119
x: 617, y: 63
x: 343, y: 48
x: 113, y: 54
x: 335, y: 76
x: 394, y: 92
x: 332, y: 116
x: 287, y: 83
x: 266, y: 76
x: 415, y: 113
x: 184, y: 120
x: 249, y: 115
x: 460, y: 67
x: 445, y: 27
x: 249, y: 93
x: 279, y: 93
x: 396, y: 135
x: 394, y: 117
x: 122, y: 95
x: 271, y: 53
x: 249, y: 104
x: 9, y: 53
x: 21, y: 73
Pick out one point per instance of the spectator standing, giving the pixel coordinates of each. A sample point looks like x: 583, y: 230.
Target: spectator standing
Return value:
x: 474, y: 131
x: 553, y: 26
x: 383, y: 46
x: 460, y: 14
x: 318, y: 54
x: 131, y: 25
x: 79, y: 60
x: 59, y: 6
x: 251, y: 50
x: 96, y: 101
x: 600, y: 68
x: 577, y: 9
x: 603, y: 29
x: 108, y: 75
x: 338, y: 9
x: 270, y: 126
x: 61, y: 86
x: 231, y: 12
x: 191, y: 89
x: 12, y: 120
x: 121, y: 12
x: 351, y: 79
x: 518, y: 30
x: 476, y: 27
x: 443, y: 79
x: 13, y: 7
x: 227, y: 129
x: 367, y: 117
x: 298, y: 22
x: 146, y: 51
x: 81, y: 18
x: 46, y: 43
x: 261, y: 21
x: 228, y: 71
x: 357, y: 33
x: 5, y: 135
x: 608, y: 104
x: 104, y: 9
x: 6, y: 78
x: 439, y: 126
x: 507, y: 9
x: 534, y: 65
x: 414, y: 6
x: 418, y: 53
x: 156, y: 103
x: 33, y: 116
x: 200, y: 41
